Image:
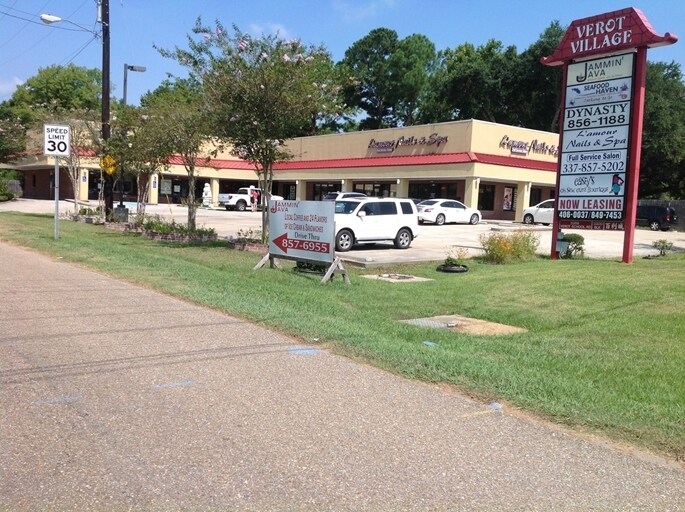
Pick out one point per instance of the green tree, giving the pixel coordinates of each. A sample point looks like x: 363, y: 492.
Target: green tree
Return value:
x: 58, y: 89
x: 369, y: 62
x: 662, y: 170
x: 177, y: 123
x: 12, y: 134
x: 411, y: 65
x: 472, y: 83
x: 536, y: 98
x: 257, y: 91
x: 63, y: 90
x: 141, y: 144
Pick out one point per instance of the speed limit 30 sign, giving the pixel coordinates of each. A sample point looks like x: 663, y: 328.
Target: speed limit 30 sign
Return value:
x: 56, y: 140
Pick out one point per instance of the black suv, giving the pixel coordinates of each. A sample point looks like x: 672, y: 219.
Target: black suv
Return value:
x: 656, y: 217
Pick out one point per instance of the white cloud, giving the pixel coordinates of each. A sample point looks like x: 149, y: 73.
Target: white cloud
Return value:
x: 7, y: 87
x: 269, y: 28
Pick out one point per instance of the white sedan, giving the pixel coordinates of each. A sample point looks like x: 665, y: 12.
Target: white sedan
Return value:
x: 541, y: 213
x: 440, y: 211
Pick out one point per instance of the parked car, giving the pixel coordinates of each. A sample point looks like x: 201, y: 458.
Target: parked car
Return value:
x: 656, y: 217
x: 541, y: 213
x: 334, y: 196
x: 440, y: 211
x: 371, y: 220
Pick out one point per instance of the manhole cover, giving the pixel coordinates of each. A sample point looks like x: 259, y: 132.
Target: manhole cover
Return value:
x: 397, y: 278
x: 464, y: 324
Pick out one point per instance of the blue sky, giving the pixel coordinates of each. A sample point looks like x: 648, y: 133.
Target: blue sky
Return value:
x: 26, y: 44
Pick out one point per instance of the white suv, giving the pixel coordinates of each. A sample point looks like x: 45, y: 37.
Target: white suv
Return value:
x: 371, y: 220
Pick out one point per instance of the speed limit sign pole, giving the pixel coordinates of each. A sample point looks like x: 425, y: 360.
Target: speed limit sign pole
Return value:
x: 56, y: 142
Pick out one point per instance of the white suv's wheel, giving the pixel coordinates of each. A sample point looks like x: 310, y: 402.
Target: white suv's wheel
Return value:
x: 403, y: 239
x: 344, y: 240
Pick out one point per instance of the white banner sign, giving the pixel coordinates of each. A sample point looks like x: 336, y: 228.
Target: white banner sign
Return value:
x: 594, y: 139
x: 302, y: 229
x: 600, y: 92
x: 599, y: 70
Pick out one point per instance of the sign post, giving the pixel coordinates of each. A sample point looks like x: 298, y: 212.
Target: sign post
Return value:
x: 603, y: 93
x: 56, y: 142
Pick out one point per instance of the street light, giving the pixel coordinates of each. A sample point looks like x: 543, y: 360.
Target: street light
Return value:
x: 49, y: 19
x: 127, y: 68
x: 103, y: 19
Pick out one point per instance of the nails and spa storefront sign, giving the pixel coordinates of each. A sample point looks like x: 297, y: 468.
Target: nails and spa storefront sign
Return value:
x: 603, y: 92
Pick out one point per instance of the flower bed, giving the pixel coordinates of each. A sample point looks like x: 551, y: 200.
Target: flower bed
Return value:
x: 180, y: 237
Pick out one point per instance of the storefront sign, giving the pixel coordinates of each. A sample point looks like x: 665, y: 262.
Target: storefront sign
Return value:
x: 523, y: 147
x: 388, y: 146
x: 302, y: 229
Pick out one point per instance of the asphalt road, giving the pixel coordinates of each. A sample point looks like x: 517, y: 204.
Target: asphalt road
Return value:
x: 114, y: 397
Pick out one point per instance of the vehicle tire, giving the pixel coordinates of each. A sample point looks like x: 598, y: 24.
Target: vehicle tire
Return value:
x: 528, y: 219
x: 440, y: 219
x: 344, y: 240
x: 421, y: 221
x: 403, y: 239
x: 654, y: 225
x: 241, y: 206
x: 474, y: 220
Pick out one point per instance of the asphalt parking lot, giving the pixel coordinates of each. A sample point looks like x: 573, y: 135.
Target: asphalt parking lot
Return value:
x: 433, y: 242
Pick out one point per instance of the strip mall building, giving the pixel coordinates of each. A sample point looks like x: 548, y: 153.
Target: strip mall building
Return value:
x: 496, y: 168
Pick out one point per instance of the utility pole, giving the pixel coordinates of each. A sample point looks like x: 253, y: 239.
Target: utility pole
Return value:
x: 103, y: 6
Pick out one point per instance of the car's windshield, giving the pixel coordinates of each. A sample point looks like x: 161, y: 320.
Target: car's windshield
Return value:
x: 428, y: 202
x: 345, y: 206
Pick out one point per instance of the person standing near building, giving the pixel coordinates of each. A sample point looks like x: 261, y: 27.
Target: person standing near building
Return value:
x: 254, y: 196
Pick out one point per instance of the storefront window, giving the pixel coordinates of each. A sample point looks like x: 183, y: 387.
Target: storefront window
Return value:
x: 535, y: 196
x: 486, y: 197
x: 441, y: 190
x: 377, y: 189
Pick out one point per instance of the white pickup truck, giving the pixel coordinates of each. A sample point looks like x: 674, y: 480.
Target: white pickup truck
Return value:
x: 240, y: 200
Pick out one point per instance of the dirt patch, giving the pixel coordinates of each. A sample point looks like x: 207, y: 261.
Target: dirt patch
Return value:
x: 465, y: 324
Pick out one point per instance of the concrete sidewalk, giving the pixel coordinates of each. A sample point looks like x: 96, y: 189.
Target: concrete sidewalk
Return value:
x: 115, y: 397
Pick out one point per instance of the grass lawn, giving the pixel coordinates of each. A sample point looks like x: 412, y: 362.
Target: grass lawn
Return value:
x: 604, y: 351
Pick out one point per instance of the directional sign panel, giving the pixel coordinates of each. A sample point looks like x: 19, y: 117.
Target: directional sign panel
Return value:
x: 594, y: 153
x: 302, y: 230
x: 56, y: 140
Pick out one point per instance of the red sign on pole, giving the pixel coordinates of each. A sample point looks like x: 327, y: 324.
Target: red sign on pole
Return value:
x: 603, y: 91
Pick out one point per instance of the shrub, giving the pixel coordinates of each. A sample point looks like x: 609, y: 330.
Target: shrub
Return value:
x: 456, y: 256
x: 507, y: 248
x: 576, y: 245
x: 248, y: 236
x: 90, y: 211
x: 5, y: 194
x: 663, y: 246
x: 307, y: 266
x: 158, y: 224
